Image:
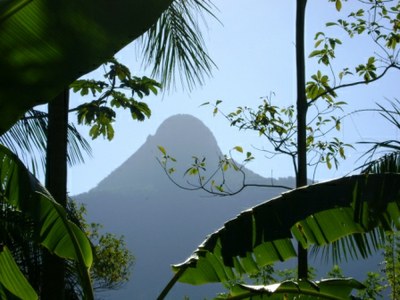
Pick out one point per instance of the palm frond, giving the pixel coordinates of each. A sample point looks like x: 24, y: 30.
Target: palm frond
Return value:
x: 391, y: 114
x: 28, y: 139
x: 389, y: 149
x: 174, y: 45
x: 388, y: 163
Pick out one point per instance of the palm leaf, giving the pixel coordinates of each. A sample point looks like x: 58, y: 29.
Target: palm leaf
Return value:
x: 46, y: 45
x: 28, y: 139
x: 22, y: 191
x: 318, y: 214
x: 174, y: 45
x: 388, y: 163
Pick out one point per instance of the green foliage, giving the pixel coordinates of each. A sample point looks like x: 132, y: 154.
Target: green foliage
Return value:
x: 29, y: 206
x: 265, y: 276
x: 338, y: 288
x: 392, y: 263
x: 28, y: 139
x: 278, y: 126
x: 110, y: 93
x: 112, y: 259
x: 263, y: 234
x: 335, y: 272
x: 50, y: 46
x: 377, y: 20
x: 111, y: 268
x: 374, y: 287
x: 257, y: 236
x: 11, y: 278
x: 390, y: 161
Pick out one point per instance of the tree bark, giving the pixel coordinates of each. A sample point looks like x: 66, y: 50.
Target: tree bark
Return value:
x: 56, y: 183
x: 301, y: 176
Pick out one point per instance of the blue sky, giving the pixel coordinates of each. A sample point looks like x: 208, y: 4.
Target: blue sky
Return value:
x: 254, y: 50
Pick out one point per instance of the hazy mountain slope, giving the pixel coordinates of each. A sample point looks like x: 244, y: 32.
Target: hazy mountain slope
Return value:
x: 163, y: 224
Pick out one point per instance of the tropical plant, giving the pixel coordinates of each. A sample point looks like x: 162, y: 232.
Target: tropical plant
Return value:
x: 46, y: 62
x: 45, y: 69
x: 99, y: 114
x: 27, y: 139
x: 351, y: 207
x: 389, y: 161
x: 25, y: 199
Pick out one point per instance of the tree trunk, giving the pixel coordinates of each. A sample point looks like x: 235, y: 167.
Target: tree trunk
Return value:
x: 301, y: 176
x: 56, y: 183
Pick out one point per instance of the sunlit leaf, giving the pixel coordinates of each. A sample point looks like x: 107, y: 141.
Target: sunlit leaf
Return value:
x: 162, y: 149
x: 12, y: 279
x: 338, y: 5
x: 335, y: 288
x: 238, y: 149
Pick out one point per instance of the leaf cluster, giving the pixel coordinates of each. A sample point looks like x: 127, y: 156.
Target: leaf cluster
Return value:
x: 279, y: 126
x: 377, y: 20
x: 33, y: 220
x: 119, y: 90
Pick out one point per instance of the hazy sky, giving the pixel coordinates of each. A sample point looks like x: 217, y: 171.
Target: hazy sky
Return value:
x: 254, y: 51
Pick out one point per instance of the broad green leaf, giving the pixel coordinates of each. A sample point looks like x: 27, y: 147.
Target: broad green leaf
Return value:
x: 318, y: 214
x: 12, y: 279
x: 335, y: 288
x: 21, y: 189
x: 40, y: 40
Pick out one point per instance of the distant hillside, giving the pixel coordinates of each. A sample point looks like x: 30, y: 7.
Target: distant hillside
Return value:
x: 163, y: 224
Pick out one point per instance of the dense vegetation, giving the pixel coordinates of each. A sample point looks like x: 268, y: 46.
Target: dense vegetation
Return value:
x: 48, y: 251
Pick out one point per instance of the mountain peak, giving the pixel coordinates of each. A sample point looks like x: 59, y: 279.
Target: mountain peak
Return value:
x: 183, y: 136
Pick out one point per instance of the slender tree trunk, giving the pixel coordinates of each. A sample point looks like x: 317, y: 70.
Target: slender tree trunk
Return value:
x: 56, y: 183
x: 301, y: 176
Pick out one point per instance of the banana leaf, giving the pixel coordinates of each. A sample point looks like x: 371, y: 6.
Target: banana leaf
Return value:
x: 12, y: 280
x: 336, y: 288
x: 21, y: 190
x: 318, y: 214
x: 47, y: 44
